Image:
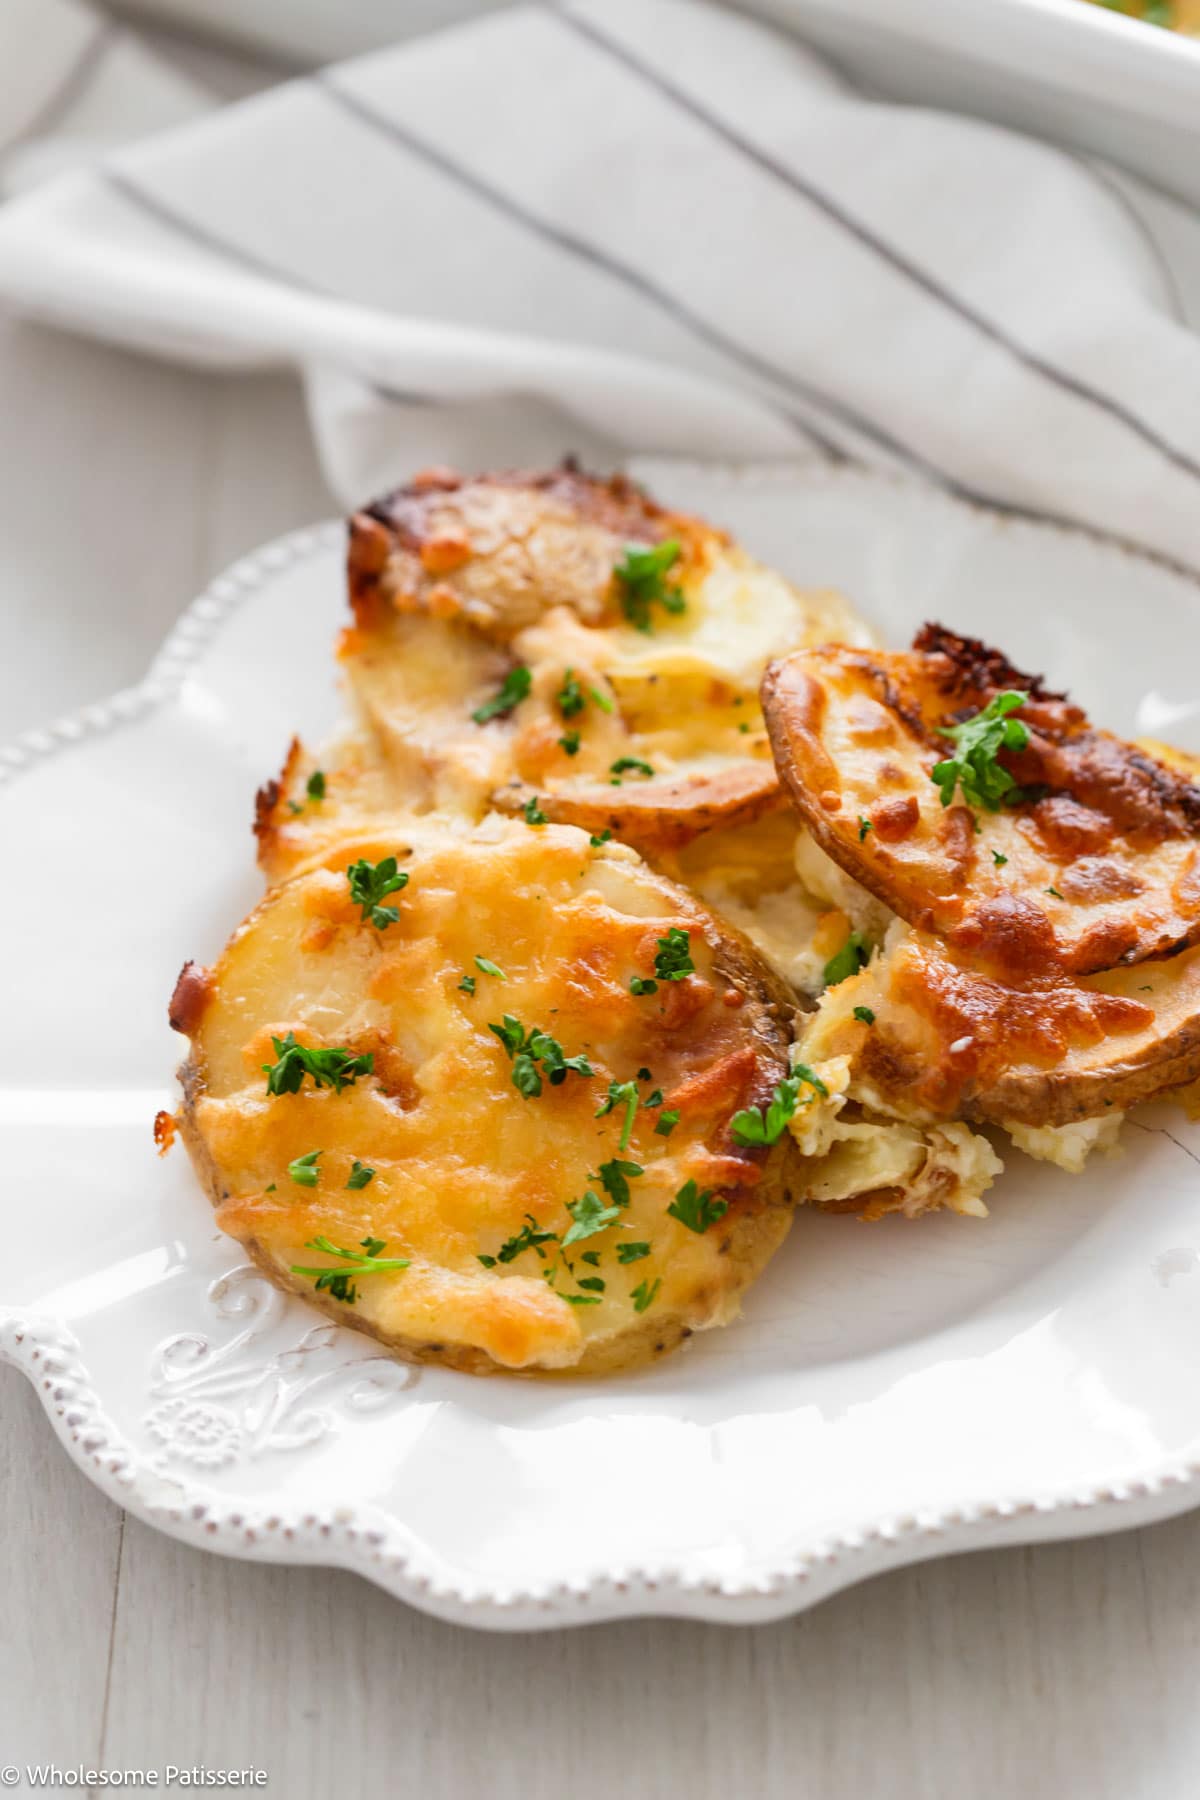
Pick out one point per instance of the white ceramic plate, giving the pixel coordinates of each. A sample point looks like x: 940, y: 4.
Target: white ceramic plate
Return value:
x: 892, y: 1392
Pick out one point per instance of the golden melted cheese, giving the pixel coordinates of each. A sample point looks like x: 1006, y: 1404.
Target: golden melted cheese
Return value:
x: 462, y: 1159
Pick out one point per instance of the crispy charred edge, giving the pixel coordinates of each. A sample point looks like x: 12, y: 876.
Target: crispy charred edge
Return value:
x: 661, y: 815
x: 401, y: 519
x: 268, y: 803
x: 975, y: 667
x: 192, y: 993
x: 614, y: 500
x: 977, y: 672
x: 761, y: 1217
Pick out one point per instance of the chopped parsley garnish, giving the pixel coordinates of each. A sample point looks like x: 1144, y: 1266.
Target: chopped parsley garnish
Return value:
x: 304, y: 1171
x: 314, y: 789
x: 765, y: 1125
x: 365, y: 1261
x: 627, y: 1253
x: 998, y: 859
x: 489, y: 1262
x: 621, y: 1093
x: 978, y: 741
x: 641, y: 984
x: 697, y: 1210
x: 486, y: 966
x: 594, y: 1283
x: 589, y: 1215
x: 864, y: 825
x: 360, y: 1175
x: 599, y: 837
x: 528, y: 1238
x: 513, y: 690
x: 864, y: 1015
x: 467, y: 985
x: 615, y: 1177
x: 626, y: 765
x: 673, y: 959
x: 666, y: 1123
x: 581, y: 1299
x: 569, y: 741
x: 571, y: 697
x: 1055, y: 892
x: 526, y: 1049
x: 371, y: 883
x: 641, y: 578
x: 643, y: 1294
x: 334, y: 1068
x: 852, y: 956
x: 590, y: 1256
x: 532, y: 812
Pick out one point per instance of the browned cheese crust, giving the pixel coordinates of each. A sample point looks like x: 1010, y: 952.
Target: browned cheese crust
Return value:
x: 1095, y: 867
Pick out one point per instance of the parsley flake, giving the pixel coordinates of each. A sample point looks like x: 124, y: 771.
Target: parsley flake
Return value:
x: 359, y: 1175
x: 643, y: 1294
x: 615, y: 1177
x: 371, y: 883
x: 589, y: 1215
x: 333, y: 1067
x: 486, y: 966
x: 621, y: 1093
x: 695, y: 1209
x: 864, y: 1015
x: 314, y: 789
x: 364, y: 1261
x: 532, y: 812
x: 673, y: 959
x: 864, y: 825
x: 569, y: 741
x: 1055, y: 892
x: 528, y: 1238
x: 304, y: 1171
x: 526, y: 1049
x: 512, y: 691
x: 640, y: 984
x: 666, y: 1123
x: 998, y: 859
x: 978, y: 741
x: 626, y: 765
x: 627, y: 1252
x: 599, y: 837
x: 467, y: 985
x: 641, y: 581
x: 571, y: 697
x: 852, y: 956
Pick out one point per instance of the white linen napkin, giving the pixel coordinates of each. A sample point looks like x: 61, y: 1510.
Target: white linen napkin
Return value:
x: 655, y: 224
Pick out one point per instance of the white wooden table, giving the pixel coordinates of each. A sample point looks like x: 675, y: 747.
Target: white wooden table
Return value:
x: 1056, y: 1672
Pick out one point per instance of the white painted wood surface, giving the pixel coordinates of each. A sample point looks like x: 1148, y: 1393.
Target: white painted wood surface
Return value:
x: 1065, y: 1671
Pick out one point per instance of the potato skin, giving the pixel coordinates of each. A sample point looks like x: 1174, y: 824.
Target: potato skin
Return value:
x: 1095, y: 864
x: 754, y: 1014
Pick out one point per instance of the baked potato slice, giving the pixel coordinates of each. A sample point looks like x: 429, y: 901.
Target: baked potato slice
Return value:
x: 930, y: 1037
x: 1078, y: 852
x: 563, y: 644
x: 533, y: 1053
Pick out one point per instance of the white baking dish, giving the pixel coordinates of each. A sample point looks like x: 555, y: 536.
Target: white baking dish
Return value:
x: 1085, y: 77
